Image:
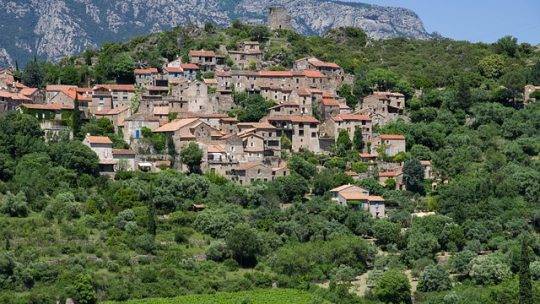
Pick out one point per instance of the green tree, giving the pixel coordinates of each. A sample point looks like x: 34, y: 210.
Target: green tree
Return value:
x: 525, y: 284
x: 75, y: 155
x: 33, y: 74
x: 151, y: 219
x: 492, y: 66
x: 507, y: 45
x: 393, y: 287
x: 76, y: 118
x: 244, y: 244
x: 84, y: 292
x: 434, y: 278
x: 413, y: 175
x: 301, y: 166
x: 343, y: 142
x: 191, y: 156
x: 386, y: 232
x: 358, y: 144
x: 286, y: 143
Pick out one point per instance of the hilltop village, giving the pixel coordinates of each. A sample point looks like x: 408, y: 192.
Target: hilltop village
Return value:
x: 193, y: 101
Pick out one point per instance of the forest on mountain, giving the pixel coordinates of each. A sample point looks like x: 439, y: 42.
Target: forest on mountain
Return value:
x: 70, y: 233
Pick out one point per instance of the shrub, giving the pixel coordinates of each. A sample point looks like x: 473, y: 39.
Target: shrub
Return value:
x: 434, y: 278
x: 488, y: 269
x: 460, y: 262
x: 182, y: 234
x: 217, y: 251
x: 393, y: 287
x: 15, y: 205
x: 535, y: 270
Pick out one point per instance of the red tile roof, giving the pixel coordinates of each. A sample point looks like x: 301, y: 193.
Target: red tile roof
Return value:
x: 312, y: 74
x: 123, y: 152
x: 189, y: 66
x: 98, y: 139
x: 392, y: 136
x: 145, y: 71
x: 202, y: 53
x: 353, y: 117
x: 322, y: 64
x: 275, y: 74
x: 174, y: 69
x: 330, y: 102
x: 294, y: 118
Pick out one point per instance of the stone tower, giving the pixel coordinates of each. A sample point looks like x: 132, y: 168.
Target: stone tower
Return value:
x: 279, y: 19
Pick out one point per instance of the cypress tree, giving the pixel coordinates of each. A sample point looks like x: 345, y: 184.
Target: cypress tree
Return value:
x: 357, y: 139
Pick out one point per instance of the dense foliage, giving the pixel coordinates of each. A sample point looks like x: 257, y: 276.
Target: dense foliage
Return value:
x: 71, y: 233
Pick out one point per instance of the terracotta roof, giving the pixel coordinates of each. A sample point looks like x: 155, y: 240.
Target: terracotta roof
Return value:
x: 49, y: 106
x: 28, y: 91
x: 389, y: 174
x: 375, y: 198
x: 174, y: 69
x: 392, y: 136
x: 286, y: 104
x: 58, y: 87
x: 201, y: 53
x: 353, y: 195
x: 123, y: 152
x: 248, y: 165
x: 312, y: 74
x: 141, y: 117
x: 115, y: 87
x: 114, y: 111
x: 176, y: 125
x: 216, y: 149
x: 322, y: 64
x: 145, y: 71
x: 275, y: 74
x: 353, y: 117
x: 330, y: 102
x: 223, y: 74
x: 341, y: 188
x: 229, y: 119
x: 294, y: 118
x: 189, y: 66
x: 98, y: 139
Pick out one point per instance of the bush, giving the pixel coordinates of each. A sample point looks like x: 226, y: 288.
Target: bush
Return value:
x: 460, y: 262
x: 434, y: 278
x: 489, y: 269
x: 15, y: 205
x: 535, y: 270
x: 393, y: 287
x: 217, y: 251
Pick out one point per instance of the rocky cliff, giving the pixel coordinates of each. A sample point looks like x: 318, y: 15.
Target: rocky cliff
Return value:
x: 54, y: 28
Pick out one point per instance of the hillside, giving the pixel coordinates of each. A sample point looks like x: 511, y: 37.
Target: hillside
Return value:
x: 53, y: 29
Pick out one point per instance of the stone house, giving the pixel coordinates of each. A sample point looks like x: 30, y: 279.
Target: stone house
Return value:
x: 190, y: 96
x: 190, y: 70
x: 383, y: 107
x: 247, y: 53
x: 102, y: 146
x: 285, y: 109
x: 51, y: 91
x: 248, y: 172
x: 184, y: 130
x: 269, y: 134
x: 349, y: 122
x: 133, y: 127
x: 359, y: 199
x: 428, y: 169
x: 334, y: 72
x: 395, y: 174
x: 116, y: 116
x: 391, y: 144
x: 10, y: 101
x: 302, y: 130
x: 145, y: 77
x: 206, y: 60
x: 125, y: 159
x: 53, y: 119
x: 228, y: 125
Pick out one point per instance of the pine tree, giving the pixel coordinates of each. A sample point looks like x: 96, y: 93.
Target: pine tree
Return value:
x: 525, y: 285
x: 152, y: 225
x: 343, y: 143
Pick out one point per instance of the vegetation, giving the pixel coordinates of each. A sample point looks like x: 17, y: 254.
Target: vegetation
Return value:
x: 69, y: 233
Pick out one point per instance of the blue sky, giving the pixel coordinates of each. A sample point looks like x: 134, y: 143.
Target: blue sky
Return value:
x: 476, y: 20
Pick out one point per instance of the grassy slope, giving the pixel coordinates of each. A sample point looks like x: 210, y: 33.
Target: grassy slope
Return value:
x: 262, y: 296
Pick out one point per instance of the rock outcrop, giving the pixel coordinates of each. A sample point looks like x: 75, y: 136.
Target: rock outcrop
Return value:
x: 53, y: 29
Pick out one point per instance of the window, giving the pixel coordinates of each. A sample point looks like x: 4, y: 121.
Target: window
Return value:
x: 313, y: 134
x: 301, y: 132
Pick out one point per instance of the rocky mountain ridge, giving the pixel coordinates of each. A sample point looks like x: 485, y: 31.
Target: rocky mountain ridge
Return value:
x: 53, y: 29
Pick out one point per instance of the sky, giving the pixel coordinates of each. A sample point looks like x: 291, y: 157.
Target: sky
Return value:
x: 476, y: 20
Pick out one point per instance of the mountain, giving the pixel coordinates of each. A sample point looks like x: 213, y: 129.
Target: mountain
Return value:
x: 52, y: 29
